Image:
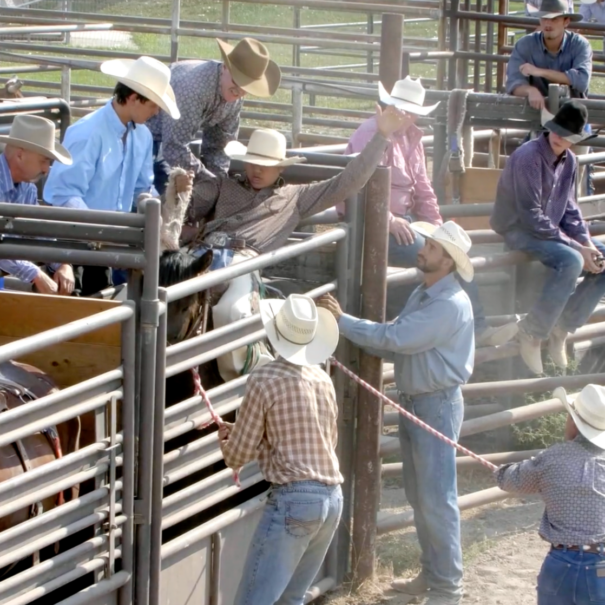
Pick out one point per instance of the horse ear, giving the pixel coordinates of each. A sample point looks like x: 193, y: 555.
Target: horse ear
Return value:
x: 174, y: 207
x: 202, y: 264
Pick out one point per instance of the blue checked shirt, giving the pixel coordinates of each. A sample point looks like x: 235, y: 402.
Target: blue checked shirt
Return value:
x: 18, y: 193
x: 113, y: 164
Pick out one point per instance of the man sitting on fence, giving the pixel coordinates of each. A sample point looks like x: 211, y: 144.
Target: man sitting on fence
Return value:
x: 112, y: 152
x: 257, y: 212
x: 30, y: 148
x: 413, y: 197
x: 288, y: 422
x: 570, y: 477
x: 431, y: 343
x: 536, y: 212
x: 210, y: 96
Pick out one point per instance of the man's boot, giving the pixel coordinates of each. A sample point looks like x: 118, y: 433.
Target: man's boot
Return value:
x: 531, y: 351
x: 557, y: 346
x: 416, y: 586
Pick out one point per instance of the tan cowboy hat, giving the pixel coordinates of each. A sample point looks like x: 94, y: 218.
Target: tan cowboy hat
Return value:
x: 35, y: 133
x: 455, y: 241
x: 299, y: 331
x: 266, y: 147
x: 407, y: 95
x: 250, y: 67
x: 587, y: 409
x: 147, y: 76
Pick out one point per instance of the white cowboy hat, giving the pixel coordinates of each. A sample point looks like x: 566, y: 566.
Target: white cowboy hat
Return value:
x: 36, y: 134
x: 587, y: 409
x: 407, y: 95
x: 266, y: 147
x: 456, y: 242
x: 147, y: 76
x: 250, y: 67
x: 299, y: 331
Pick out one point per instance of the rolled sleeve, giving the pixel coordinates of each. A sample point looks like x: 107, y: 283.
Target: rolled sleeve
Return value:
x: 519, y: 56
x: 21, y: 269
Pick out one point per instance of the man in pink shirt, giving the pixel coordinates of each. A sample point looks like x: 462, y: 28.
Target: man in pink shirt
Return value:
x: 412, y: 195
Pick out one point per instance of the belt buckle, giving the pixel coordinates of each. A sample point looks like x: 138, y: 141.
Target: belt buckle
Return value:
x: 218, y: 239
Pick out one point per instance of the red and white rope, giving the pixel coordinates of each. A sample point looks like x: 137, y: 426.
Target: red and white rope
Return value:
x: 411, y: 416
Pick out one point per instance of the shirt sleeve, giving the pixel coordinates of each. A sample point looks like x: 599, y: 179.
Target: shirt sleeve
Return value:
x: 586, y: 12
x: 518, y: 57
x: 579, y: 74
x: 572, y: 223
x: 426, y: 207
x: 317, y: 197
x: 247, y: 434
x: 430, y: 326
x: 215, y: 138
x: 21, y: 269
x: 144, y: 183
x: 205, y: 193
x: 522, y: 477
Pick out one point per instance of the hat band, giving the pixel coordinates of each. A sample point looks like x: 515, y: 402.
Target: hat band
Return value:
x: 406, y: 101
x: 592, y: 426
x: 263, y: 155
x: 280, y: 334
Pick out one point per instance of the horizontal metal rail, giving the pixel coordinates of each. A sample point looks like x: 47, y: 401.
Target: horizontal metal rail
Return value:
x: 100, y: 589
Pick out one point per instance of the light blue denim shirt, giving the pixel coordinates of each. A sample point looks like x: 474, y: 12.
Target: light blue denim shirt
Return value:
x: 593, y: 12
x: 112, y: 165
x: 432, y: 340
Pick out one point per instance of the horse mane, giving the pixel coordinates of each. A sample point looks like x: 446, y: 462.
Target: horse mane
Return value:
x: 177, y: 266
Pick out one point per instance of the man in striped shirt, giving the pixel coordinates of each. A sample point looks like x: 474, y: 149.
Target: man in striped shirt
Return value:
x: 287, y: 422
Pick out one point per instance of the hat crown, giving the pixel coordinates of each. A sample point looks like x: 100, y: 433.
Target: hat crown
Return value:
x: 297, y: 320
x: 554, y: 6
x: 268, y: 143
x: 590, y: 406
x: 453, y: 233
x: 251, y: 57
x: 150, y: 72
x: 409, y: 90
x: 572, y: 116
x: 34, y: 129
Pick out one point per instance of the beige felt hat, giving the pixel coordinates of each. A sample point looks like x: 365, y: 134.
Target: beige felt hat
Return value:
x: 587, y: 409
x: 407, y: 95
x: 456, y: 242
x: 298, y: 330
x: 251, y: 67
x: 266, y: 147
x: 147, y: 76
x: 35, y: 133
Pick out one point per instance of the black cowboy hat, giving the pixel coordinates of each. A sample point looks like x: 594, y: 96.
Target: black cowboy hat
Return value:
x: 550, y: 9
x: 569, y: 123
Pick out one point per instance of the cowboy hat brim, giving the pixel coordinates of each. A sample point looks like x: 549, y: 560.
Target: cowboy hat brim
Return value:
x: 236, y: 151
x: 593, y: 435
x: 419, y: 110
x: 60, y: 153
x: 547, y: 120
x: 118, y: 69
x: 588, y: 1
x: 464, y: 266
x: 317, y: 351
x: 265, y: 86
x: 536, y: 12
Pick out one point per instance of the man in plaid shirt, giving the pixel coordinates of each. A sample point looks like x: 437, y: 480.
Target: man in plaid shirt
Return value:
x: 287, y: 422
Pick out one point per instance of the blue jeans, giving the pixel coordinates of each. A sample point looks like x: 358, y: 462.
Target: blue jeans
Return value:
x: 429, y: 479
x: 571, y: 577
x: 407, y: 257
x: 560, y: 302
x: 161, y: 170
x: 290, y: 543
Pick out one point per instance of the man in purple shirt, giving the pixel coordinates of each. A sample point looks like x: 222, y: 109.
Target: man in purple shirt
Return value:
x: 536, y: 212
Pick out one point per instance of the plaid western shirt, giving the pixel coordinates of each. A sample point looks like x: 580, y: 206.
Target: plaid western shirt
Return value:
x: 288, y: 422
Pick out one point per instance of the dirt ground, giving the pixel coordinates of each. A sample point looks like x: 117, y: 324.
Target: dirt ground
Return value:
x: 502, y: 551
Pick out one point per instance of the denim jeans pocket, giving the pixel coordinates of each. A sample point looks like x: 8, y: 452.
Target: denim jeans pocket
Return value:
x: 552, y: 575
x: 595, y: 581
x: 303, y: 519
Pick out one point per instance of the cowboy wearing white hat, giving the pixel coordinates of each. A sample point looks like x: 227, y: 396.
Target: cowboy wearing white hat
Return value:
x: 431, y: 343
x: 569, y: 477
x: 29, y: 149
x: 210, y: 96
x: 288, y: 422
x: 112, y: 149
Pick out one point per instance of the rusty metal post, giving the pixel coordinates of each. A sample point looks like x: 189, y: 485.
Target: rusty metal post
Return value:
x: 391, y: 37
x: 369, y: 410
x: 502, y: 30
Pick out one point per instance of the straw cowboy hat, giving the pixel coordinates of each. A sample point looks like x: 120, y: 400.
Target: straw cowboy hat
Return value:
x: 587, y: 409
x: 455, y: 241
x: 266, y: 147
x: 300, y: 332
x: 407, y: 95
x: 569, y: 123
x: 250, y: 67
x: 147, y: 76
x: 35, y: 133
x: 551, y: 9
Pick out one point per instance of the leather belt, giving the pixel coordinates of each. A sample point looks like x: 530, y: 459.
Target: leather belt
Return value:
x: 598, y: 549
x: 222, y: 240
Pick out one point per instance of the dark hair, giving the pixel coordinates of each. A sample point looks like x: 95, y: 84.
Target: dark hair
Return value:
x: 121, y: 93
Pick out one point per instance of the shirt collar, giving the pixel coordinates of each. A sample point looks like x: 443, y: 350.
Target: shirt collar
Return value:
x: 546, y: 151
x: 566, y: 35
x: 113, y: 119
x: 443, y: 284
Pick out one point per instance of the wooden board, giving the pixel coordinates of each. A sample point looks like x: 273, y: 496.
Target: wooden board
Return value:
x: 478, y: 186
x: 70, y: 362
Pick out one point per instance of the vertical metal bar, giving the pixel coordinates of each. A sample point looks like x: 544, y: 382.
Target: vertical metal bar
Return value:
x: 454, y: 45
x: 297, y: 113
x: 391, y: 37
x: 489, y: 49
x: 128, y: 449
x: 215, y: 570
x: 439, y: 146
x: 174, y: 33
x: 553, y: 98
x: 66, y: 83
x: 369, y: 411
x: 157, y: 493
x: 113, y: 433
x: 148, y: 334
x: 370, y: 54
x: 502, y: 29
x: 225, y: 15
x: 442, y: 45
x: 465, y: 32
x: 67, y: 9
x: 478, y: 47
x: 296, y: 47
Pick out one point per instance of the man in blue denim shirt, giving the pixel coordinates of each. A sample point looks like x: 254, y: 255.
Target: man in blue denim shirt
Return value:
x: 432, y: 345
